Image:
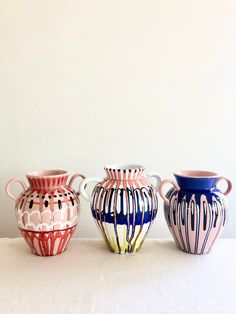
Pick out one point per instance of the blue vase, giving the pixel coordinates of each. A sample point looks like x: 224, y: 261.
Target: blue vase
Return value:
x: 195, y: 209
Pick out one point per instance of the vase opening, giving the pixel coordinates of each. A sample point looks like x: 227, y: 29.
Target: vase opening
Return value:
x: 196, y: 179
x: 196, y: 173
x: 124, y: 172
x: 47, y: 179
x: 46, y: 173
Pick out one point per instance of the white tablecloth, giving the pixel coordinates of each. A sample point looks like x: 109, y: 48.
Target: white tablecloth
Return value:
x: 88, y: 278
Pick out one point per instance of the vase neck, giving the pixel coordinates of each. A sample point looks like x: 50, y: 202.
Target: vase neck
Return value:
x: 188, y: 183
x: 47, y: 181
x: 124, y: 172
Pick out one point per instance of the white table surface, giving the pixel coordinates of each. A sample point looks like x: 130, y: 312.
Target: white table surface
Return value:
x: 87, y: 278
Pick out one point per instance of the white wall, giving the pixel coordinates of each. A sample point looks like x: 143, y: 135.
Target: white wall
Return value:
x: 86, y: 83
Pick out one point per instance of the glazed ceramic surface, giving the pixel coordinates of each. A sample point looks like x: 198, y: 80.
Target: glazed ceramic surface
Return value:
x: 195, y: 209
x: 123, y: 205
x: 47, y: 210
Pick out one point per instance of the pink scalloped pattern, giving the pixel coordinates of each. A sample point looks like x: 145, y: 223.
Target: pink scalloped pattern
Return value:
x: 48, y: 243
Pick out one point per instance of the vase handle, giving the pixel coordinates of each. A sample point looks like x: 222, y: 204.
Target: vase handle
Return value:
x: 161, y: 188
x: 229, y: 187
x: 72, y: 179
x: 83, y: 184
x: 158, y: 179
x: 9, y: 183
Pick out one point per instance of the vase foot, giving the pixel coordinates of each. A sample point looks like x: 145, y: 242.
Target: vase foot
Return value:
x: 48, y: 243
x: 194, y: 253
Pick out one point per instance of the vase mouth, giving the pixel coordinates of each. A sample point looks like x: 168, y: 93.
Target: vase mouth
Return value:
x: 123, y: 167
x: 196, y: 179
x: 196, y: 174
x: 47, y: 179
x: 124, y: 171
x: 46, y: 173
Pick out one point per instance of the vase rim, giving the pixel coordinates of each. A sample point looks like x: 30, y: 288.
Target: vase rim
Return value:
x: 123, y: 167
x: 196, y: 174
x: 46, y: 173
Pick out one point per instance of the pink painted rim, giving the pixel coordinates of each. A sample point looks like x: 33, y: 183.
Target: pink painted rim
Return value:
x: 46, y: 173
x: 196, y: 174
x: 124, y: 167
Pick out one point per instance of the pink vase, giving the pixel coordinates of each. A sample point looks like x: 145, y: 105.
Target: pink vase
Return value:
x: 46, y: 211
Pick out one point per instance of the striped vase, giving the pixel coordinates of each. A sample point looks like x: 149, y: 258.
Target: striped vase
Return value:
x: 46, y: 211
x: 124, y: 206
x: 195, y: 209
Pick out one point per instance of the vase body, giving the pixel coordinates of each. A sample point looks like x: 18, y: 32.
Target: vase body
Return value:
x: 47, y: 211
x: 124, y: 206
x: 195, y: 212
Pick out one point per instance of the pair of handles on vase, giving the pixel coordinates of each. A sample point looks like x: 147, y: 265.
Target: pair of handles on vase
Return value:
x: 124, y: 206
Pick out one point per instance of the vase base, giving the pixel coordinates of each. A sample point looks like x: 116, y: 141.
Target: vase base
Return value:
x: 125, y: 249
x: 48, y: 243
x: 124, y: 252
x: 194, y: 253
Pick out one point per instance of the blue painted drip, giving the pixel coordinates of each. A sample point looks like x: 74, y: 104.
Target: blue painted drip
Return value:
x: 208, y: 193
x: 136, y: 196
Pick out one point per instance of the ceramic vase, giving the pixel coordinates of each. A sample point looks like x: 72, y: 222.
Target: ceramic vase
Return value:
x: 195, y: 209
x: 47, y: 210
x: 124, y: 206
